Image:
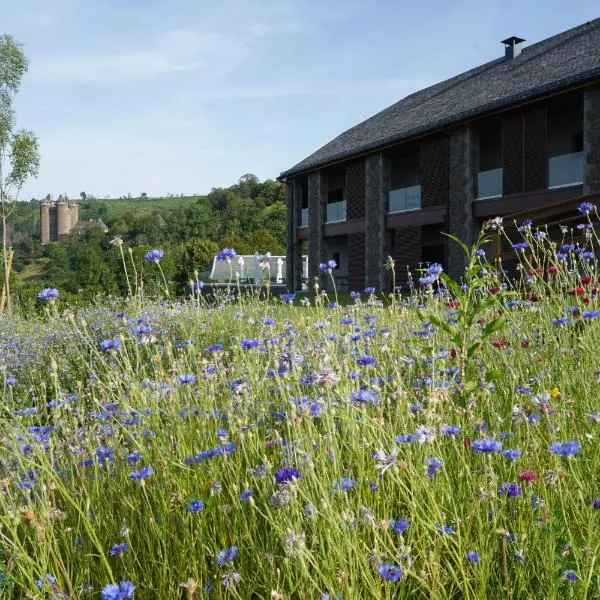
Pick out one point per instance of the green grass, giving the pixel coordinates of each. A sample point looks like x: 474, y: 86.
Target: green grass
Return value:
x: 138, y: 206
x: 356, y: 398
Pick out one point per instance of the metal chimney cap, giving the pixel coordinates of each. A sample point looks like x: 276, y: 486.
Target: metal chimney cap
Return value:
x: 513, y: 40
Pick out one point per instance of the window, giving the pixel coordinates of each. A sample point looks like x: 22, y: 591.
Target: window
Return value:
x: 336, y: 203
x: 565, y: 146
x: 405, y: 187
x: 304, y: 205
x: 489, y: 177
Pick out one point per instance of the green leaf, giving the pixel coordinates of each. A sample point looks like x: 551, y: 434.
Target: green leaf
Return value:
x: 441, y: 324
x: 492, y: 375
x: 494, y: 325
x: 473, y: 348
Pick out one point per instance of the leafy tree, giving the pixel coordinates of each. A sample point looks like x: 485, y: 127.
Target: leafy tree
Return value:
x: 19, y: 149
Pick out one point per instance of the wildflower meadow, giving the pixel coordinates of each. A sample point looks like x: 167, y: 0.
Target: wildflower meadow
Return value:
x: 437, y: 441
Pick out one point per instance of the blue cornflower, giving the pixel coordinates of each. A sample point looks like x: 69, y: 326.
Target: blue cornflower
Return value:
x: 249, y: 343
x: 195, y: 506
x: 473, y: 556
x: 570, y: 575
x: 134, y: 457
x: 586, y: 207
x: 509, y: 489
x: 142, y: 473
x: 511, y: 453
x: 286, y: 474
x: 187, y: 378
x: 390, y: 572
x: 480, y: 253
x: 369, y: 290
x: 119, y: 549
x: 226, y: 555
x: 447, y: 529
x: 590, y: 314
x: 399, y: 525
x: 365, y: 395
x: 486, y: 445
x: 520, y: 245
x: 123, y: 590
x: 595, y: 503
x: 560, y: 321
x: 288, y: 297
x: 365, y: 361
x: 226, y: 254
x: 343, y: 484
x: 435, y: 269
x: 450, y: 430
x: 434, y: 464
x: 154, y: 255
x: 246, y: 494
x: 110, y: 344
x: 525, y: 225
x: 569, y: 448
x: 104, y: 455
x: 10, y: 380
x: 48, y: 294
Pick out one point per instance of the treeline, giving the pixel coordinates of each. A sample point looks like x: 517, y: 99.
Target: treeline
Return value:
x: 248, y: 216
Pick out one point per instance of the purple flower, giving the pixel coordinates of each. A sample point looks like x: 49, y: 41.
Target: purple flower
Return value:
x: 399, y: 525
x: 142, y: 473
x: 595, y: 503
x: 365, y: 361
x: 246, y: 494
x: 110, y: 344
x: 369, y: 290
x: 390, y: 572
x: 187, y: 378
x: 569, y: 448
x: 486, y: 445
x: 343, y: 484
x: 288, y: 298
x: 286, y: 474
x: 586, y: 207
x: 520, y: 246
x: 154, y: 255
x: 226, y: 555
x: 509, y: 489
x: 570, y: 575
x: 195, y: 506
x: 123, y: 590
x: 226, y: 254
x: 590, y: 314
x: 48, y: 294
x: 511, y: 453
x: 450, y: 430
x: 473, y: 556
x: 249, y: 343
x: 119, y: 549
x: 434, y: 464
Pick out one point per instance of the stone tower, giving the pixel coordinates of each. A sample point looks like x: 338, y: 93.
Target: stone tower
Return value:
x: 63, y: 218
x: 45, y: 221
x: 74, y: 206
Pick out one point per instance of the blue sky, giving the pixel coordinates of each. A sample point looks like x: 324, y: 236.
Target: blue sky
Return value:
x: 131, y: 96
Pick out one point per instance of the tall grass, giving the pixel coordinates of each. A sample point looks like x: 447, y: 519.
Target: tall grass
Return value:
x: 142, y: 446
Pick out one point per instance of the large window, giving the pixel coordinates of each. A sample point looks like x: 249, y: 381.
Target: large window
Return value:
x: 489, y: 177
x: 304, y: 205
x: 405, y: 186
x: 565, y: 145
x: 336, y: 202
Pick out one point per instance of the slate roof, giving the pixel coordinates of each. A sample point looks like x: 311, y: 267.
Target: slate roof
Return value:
x: 569, y: 58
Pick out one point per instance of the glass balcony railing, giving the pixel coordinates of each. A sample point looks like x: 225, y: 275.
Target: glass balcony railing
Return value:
x: 489, y: 183
x: 336, y: 211
x: 304, y: 217
x: 402, y: 199
x: 565, y: 169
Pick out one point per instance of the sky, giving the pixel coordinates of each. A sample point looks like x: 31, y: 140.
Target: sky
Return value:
x: 132, y: 96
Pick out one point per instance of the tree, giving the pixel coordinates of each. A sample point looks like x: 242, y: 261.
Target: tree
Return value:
x: 19, y: 149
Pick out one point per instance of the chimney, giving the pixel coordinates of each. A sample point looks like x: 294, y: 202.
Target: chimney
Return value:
x: 512, y: 47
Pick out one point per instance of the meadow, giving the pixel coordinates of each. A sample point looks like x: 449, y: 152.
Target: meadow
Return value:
x: 438, y: 441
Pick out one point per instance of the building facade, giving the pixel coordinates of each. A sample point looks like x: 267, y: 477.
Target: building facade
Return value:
x: 518, y: 133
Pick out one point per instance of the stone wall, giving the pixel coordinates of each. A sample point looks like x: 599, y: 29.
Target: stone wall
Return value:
x: 317, y: 191
x: 462, y: 158
x: 591, y: 140
x: 377, y: 178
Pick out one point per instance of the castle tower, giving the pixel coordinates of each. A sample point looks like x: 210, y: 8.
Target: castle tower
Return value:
x: 63, y: 219
x: 45, y: 222
x: 74, y: 206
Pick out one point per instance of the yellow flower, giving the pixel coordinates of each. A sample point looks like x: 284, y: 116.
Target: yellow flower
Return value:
x: 555, y: 392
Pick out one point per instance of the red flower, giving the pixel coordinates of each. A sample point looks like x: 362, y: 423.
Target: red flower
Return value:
x: 494, y: 289
x: 499, y: 343
x: 578, y: 291
x: 453, y: 304
x: 467, y: 442
x: 525, y: 343
x: 527, y: 476
x: 453, y: 353
x: 553, y: 269
x: 533, y: 298
x: 586, y: 280
x: 586, y: 300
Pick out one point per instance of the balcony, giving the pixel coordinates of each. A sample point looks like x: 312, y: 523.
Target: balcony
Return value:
x: 489, y: 184
x: 336, y: 212
x: 565, y: 170
x: 304, y: 217
x: 403, y: 199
